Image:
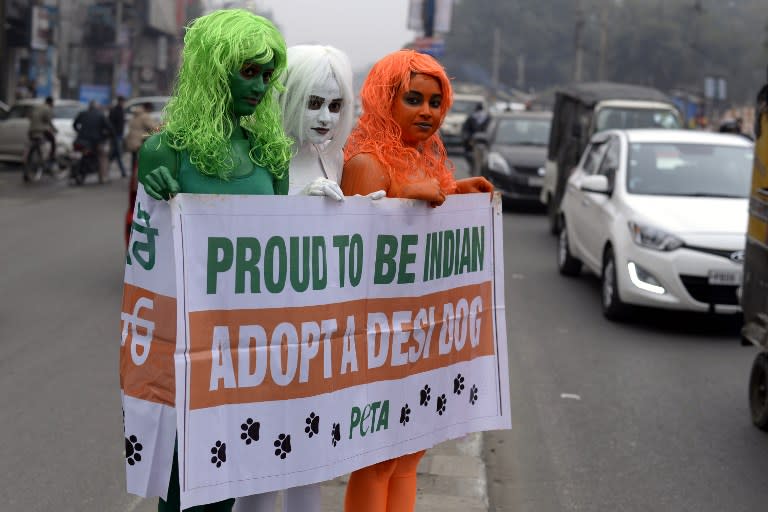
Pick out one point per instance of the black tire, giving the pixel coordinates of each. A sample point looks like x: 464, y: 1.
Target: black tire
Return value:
x: 553, y: 216
x: 34, y: 165
x: 758, y: 391
x: 613, y: 307
x: 567, y: 264
x: 78, y: 172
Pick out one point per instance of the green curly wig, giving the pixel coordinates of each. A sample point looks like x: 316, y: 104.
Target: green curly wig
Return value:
x: 198, y: 117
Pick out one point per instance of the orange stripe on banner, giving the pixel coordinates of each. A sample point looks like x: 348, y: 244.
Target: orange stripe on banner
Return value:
x: 285, y: 353
x: 148, y: 328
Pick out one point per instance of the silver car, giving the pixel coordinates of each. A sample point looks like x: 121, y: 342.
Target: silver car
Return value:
x: 14, y: 126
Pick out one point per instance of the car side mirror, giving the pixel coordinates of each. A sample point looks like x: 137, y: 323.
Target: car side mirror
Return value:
x: 596, y: 183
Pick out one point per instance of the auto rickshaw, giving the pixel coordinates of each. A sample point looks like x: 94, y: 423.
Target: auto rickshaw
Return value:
x: 754, y: 292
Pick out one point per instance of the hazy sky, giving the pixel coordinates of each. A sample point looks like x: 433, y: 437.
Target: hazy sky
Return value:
x: 363, y: 29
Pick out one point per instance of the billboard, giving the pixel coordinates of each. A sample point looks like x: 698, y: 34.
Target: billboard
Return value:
x: 161, y: 16
x: 421, y: 12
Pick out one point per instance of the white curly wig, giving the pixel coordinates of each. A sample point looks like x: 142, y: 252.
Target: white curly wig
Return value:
x: 309, y: 65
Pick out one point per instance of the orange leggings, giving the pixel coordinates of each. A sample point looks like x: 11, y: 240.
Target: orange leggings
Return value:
x: 388, y: 486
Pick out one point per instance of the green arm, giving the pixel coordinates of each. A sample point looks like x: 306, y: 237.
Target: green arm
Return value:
x: 158, y: 168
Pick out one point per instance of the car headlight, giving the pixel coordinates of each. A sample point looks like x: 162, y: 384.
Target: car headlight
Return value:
x: 652, y: 238
x: 498, y: 163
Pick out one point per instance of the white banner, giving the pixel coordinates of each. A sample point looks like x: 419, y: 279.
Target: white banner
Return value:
x: 316, y: 337
x: 148, y: 342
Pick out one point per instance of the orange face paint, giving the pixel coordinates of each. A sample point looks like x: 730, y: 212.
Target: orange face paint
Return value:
x: 417, y: 109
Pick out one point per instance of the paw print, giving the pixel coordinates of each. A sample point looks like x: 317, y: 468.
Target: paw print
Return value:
x: 132, y: 449
x: 250, y: 431
x: 458, y: 384
x: 313, y: 425
x: 219, y: 452
x: 441, y: 403
x: 335, y: 434
x: 283, y: 445
x: 473, y: 394
x: 424, y: 396
x: 405, y: 414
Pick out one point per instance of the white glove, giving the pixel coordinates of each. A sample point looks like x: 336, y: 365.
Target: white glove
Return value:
x: 373, y: 196
x: 324, y: 187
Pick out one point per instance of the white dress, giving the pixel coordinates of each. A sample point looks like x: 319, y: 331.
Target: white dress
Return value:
x: 311, y: 162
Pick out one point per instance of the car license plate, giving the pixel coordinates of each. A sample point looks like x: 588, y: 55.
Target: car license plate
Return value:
x: 535, y: 181
x: 724, y: 277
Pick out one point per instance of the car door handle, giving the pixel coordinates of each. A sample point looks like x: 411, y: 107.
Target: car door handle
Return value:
x: 585, y: 201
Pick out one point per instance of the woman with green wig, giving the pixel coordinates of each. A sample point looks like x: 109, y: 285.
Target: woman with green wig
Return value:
x: 222, y: 131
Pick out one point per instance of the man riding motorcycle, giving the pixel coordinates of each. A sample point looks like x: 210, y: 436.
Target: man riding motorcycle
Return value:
x: 41, y: 125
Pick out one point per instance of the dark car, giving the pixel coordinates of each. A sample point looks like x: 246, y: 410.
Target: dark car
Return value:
x: 512, y: 153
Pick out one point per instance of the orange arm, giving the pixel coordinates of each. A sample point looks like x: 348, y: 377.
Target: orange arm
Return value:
x: 364, y: 174
x: 472, y: 185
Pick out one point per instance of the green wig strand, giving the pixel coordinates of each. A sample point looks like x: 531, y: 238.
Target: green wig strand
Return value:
x: 198, y: 117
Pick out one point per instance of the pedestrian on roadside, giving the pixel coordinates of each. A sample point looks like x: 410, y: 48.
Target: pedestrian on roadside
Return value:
x: 222, y: 133
x: 117, y: 120
x: 141, y: 126
x: 318, y: 113
x: 395, y: 147
x: 93, y: 131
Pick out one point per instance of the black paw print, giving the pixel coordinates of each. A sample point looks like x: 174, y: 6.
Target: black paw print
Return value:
x: 250, y: 431
x: 473, y: 394
x: 313, y: 425
x: 219, y: 452
x: 335, y: 434
x: 458, y: 384
x: 405, y: 414
x: 441, y: 403
x: 424, y: 396
x: 283, y: 445
x: 132, y: 449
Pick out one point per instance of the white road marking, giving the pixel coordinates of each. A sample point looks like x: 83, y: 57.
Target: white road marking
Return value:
x: 570, y: 396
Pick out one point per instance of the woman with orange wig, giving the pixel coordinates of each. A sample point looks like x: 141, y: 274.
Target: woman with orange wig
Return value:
x: 395, y: 147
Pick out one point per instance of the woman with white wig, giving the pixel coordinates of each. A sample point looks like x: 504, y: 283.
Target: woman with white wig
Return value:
x: 318, y: 112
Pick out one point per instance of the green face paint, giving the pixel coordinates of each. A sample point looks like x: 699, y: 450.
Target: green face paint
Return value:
x: 248, y: 86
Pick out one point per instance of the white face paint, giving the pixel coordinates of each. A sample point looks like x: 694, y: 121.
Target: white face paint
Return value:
x: 323, y: 111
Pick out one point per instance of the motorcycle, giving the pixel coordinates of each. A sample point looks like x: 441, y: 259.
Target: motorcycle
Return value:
x: 85, y: 161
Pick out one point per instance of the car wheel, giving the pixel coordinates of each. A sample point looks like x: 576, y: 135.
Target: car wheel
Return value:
x: 566, y: 262
x: 613, y: 308
x: 553, y: 216
x: 758, y: 392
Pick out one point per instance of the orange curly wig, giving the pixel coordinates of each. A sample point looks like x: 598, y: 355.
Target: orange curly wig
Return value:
x: 378, y: 133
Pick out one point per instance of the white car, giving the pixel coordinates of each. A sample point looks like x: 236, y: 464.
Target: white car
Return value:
x: 463, y: 106
x: 158, y: 104
x: 661, y: 217
x: 14, y: 126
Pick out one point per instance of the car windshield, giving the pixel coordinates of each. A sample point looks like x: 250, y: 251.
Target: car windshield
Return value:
x: 696, y: 170
x: 464, y: 106
x: 523, y: 132
x: 66, y: 111
x: 611, y: 118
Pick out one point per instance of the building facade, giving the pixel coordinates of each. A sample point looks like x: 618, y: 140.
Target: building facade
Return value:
x: 91, y: 49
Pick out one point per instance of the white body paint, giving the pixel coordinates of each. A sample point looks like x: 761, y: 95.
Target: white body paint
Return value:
x: 305, y: 167
x: 320, y: 125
